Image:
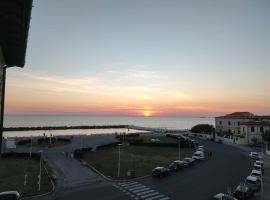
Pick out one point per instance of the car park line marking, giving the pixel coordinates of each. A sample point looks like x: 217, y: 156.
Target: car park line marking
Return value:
x: 149, y: 195
x: 145, y: 192
x: 155, y: 197
x: 140, y: 190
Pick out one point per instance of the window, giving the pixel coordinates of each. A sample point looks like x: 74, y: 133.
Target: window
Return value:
x: 252, y: 129
x: 244, y: 129
x: 261, y: 129
x: 229, y: 123
x: 220, y: 122
x: 238, y: 123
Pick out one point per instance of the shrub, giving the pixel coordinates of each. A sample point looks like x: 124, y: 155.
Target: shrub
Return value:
x: 105, y: 146
x: 203, y: 128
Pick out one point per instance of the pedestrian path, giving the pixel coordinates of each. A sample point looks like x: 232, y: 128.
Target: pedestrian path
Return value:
x: 137, y: 191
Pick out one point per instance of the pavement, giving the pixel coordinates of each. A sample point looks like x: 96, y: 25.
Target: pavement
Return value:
x: 228, y: 166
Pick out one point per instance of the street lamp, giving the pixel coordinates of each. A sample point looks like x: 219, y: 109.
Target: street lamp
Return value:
x: 39, y: 176
x: 31, y: 146
x: 179, y: 151
x: 119, y: 148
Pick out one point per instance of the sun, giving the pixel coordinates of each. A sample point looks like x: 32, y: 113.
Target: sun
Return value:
x: 147, y: 113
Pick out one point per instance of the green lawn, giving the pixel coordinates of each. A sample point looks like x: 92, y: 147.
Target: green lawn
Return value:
x: 12, y: 173
x: 142, y: 159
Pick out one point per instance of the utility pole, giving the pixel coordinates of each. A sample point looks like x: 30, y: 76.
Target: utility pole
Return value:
x: 3, y: 88
x: 119, y: 161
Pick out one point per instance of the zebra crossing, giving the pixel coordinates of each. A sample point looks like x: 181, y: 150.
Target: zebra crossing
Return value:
x: 138, y: 191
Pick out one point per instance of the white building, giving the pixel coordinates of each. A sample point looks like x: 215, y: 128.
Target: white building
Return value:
x: 230, y: 124
x: 253, y: 130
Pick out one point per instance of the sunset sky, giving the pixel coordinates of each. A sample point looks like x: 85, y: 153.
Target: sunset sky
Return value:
x: 144, y: 57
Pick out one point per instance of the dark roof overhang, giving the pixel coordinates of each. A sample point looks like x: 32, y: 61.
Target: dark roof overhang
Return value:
x: 15, y: 18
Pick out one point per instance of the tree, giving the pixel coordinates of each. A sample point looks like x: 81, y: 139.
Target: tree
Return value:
x: 203, y: 128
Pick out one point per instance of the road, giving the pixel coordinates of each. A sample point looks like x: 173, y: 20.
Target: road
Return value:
x: 227, y: 168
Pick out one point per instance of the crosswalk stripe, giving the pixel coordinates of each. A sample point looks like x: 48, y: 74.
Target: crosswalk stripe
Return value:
x: 165, y: 198
x: 136, y: 188
x: 155, y: 197
x: 132, y: 186
x: 140, y: 190
x: 145, y: 192
x: 149, y: 195
x: 126, y: 184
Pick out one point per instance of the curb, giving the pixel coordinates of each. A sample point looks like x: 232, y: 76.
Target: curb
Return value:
x: 47, y: 193
x: 107, y: 178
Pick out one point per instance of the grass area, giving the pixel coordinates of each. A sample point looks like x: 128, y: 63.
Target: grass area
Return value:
x: 163, y: 139
x: 12, y: 176
x: 142, y: 159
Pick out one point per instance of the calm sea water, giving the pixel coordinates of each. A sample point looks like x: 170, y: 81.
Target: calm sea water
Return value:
x: 52, y: 120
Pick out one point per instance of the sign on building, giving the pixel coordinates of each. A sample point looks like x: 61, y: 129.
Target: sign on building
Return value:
x: 10, y: 143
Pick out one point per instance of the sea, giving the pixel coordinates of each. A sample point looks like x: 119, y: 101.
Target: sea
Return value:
x: 174, y: 122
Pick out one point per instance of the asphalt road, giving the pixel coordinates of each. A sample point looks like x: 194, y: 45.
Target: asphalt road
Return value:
x: 227, y: 168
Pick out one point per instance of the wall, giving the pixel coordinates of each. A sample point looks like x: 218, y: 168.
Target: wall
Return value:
x: 234, y: 125
x: 242, y: 141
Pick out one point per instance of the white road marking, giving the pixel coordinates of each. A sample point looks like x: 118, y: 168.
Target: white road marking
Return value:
x: 155, y: 197
x: 149, y: 195
x: 145, y: 192
x: 132, y: 186
x: 136, y: 188
x: 140, y: 190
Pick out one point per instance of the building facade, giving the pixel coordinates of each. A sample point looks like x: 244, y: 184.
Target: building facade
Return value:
x: 254, y: 130
x: 230, y: 124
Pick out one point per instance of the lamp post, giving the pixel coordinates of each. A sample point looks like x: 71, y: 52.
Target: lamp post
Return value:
x: 119, y: 157
x: 262, y: 160
x: 31, y: 146
x: 179, y: 149
x: 39, y: 176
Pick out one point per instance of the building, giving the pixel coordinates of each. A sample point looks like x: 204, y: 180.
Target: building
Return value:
x: 253, y: 130
x: 230, y: 124
x: 14, y: 24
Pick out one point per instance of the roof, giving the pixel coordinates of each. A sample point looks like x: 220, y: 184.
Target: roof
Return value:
x: 14, y: 22
x: 256, y: 123
x: 238, y: 115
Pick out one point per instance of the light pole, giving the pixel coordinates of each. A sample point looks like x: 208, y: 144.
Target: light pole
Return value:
x: 119, y: 157
x: 262, y: 160
x: 31, y: 146
x: 39, y: 176
x: 179, y: 151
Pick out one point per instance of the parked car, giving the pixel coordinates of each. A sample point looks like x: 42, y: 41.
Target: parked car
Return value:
x: 201, y: 146
x: 200, y: 149
x: 255, y: 155
x: 173, y: 167
x: 253, y: 183
x: 257, y: 174
x: 156, y: 140
x: 190, y: 161
x: 181, y: 164
x: 259, y: 162
x: 258, y: 167
x: 160, y: 172
x: 198, y: 155
x: 243, y: 192
x: 219, y: 141
x: 222, y: 196
x: 9, y: 195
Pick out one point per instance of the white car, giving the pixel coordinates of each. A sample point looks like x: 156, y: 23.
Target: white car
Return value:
x: 14, y: 195
x: 198, y: 155
x: 222, y: 196
x: 259, y: 162
x: 253, y: 183
x: 257, y: 174
x: 258, y: 167
x: 255, y: 155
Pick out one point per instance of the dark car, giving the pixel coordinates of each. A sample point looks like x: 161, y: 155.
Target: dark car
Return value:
x: 189, y: 161
x: 173, y: 167
x: 242, y: 192
x: 9, y: 195
x: 160, y: 172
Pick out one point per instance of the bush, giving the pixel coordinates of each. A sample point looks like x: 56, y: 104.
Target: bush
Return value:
x: 105, y: 146
x: 24, y: 142
x: 13, y: 154
x: 79, y: 153
x: 203, y: 128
